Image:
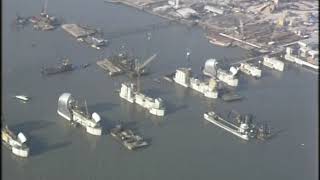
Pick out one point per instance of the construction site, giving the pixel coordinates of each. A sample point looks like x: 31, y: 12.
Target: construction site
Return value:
x: 123, y: 63
x: 254, y: 25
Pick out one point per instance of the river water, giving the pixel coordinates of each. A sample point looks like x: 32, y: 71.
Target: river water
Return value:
x: 183, y: 145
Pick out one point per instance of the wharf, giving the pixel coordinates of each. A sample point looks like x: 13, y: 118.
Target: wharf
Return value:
x: 77, y: 31
x: 257, y: 57
x: 107, y: 65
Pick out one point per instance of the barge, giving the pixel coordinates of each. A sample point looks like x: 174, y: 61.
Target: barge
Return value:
x: 128, y: 139
x: 65, y: 66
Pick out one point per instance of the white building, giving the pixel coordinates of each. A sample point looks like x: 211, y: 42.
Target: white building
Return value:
x: 213, y: 9
x: 186, y: 12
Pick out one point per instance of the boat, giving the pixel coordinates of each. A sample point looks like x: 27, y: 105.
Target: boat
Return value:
x: 69, y: 109
x: 231, y: 97
x: 129, y: 139
x: 244, y: 130
x: 64, y: 67
x: 263, y: 132
x: 16, y: 143
x: 22, y: 97
x: 219, y: 43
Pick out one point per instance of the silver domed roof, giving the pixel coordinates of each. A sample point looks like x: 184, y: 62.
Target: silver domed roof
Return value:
x: 210, y: 67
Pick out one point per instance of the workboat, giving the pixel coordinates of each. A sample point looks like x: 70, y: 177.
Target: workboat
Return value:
x: 129, y: 139
x: 231, y: 97
x: 65, y: 66
x: 16, y: 143
x: 69, y: 109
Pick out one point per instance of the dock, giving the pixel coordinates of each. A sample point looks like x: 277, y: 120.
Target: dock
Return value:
x: 107, y: 65
x: 77, y: 31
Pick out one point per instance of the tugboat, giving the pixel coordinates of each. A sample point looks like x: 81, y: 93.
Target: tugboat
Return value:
x: 69, y: 109
x: 126, y: 136
x: 264, y: 132
x: 64, y: 67
x: 16, y: 143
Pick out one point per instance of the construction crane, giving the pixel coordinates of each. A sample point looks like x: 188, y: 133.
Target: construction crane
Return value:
x: 44, y: 8
x: 139, y: 69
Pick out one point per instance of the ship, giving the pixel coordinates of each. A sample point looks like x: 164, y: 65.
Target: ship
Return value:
x: 243, y: 128
x: 211, y: 69
x: 16, y: 143
x: 250, y: 69
x: 69, y: 109
x: 273, y: 63
x: 183, y: 76
x: 65, y: 66
x: 129, y: 139
x: 243, y: 131
x: 130, y: 93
